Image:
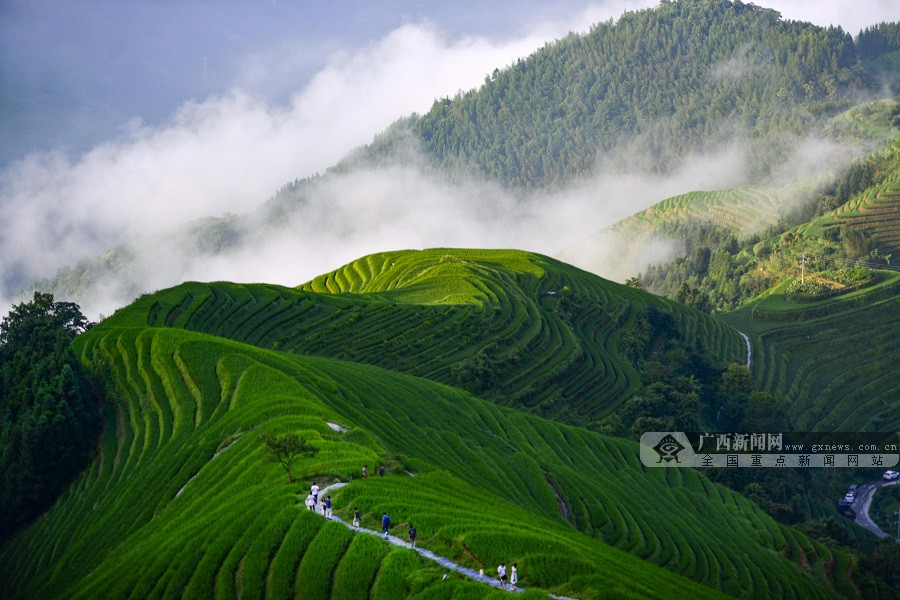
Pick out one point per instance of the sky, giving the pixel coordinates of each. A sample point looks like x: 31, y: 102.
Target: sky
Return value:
x: 124, y: 119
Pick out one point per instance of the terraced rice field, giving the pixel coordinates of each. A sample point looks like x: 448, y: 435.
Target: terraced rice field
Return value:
x: 656, y: 234
x: 877, y: 211
x: 833, y: 361
x: 738, y: 209
x: 179, y: 504
x: 519, y: 329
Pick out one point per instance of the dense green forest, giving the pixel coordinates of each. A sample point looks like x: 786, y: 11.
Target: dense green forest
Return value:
x: 49, y: 407
x: 648, y: 88
x: 875, y: 40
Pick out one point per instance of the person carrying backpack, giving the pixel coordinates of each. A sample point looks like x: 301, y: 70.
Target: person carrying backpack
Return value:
x: 412, y: 535
x: 385, y: 523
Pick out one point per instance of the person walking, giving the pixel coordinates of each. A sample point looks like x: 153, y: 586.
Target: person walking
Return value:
x: 328, y: 507
x: 412, y: 535
x: 385, y: 523
x: 314, y: 490
x: 381, y: 471
x: 356, y: 518
x: 365, y: 471
x: 514, y: 576
x: 322, y: 507
x: 310, y: 502
x: 501, y: 575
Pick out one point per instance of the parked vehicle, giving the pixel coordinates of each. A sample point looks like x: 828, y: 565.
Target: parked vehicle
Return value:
x: 843, y: 508
x: 850, y: 496
x: 891, y: 475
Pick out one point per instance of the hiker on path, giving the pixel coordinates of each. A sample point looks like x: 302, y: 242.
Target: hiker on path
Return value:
x: 501, y: 575
x: 314, y: 490
x: 514, y: 576
x: 356, y: 518
x: 385, y: 523
x: 322, y: 507
x: 412, y: 535
x: 310, y: 502
x: 381, y: 471
x: 365, y: 471
x: 328, y: 507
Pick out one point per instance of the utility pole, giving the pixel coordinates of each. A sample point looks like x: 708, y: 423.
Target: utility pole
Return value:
x: 802, y: 266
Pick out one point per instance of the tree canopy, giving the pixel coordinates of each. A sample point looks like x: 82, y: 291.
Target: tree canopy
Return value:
x: 50, y: 417
x: 653, y: 86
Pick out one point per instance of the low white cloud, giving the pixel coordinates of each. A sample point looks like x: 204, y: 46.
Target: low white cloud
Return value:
x: 228, y: 153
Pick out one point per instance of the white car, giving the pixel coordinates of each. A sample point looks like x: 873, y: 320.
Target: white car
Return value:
x: 890, y: 475
x: 849, y: 497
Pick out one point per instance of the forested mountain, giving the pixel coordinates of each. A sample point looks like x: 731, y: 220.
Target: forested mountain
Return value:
x: 642, y: 92
x: 687, y: 76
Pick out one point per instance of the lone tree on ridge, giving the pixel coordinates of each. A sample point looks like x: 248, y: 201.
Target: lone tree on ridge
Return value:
x: 286, y: 449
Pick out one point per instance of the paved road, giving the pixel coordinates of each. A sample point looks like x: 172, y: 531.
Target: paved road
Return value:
x: 444, y: 562
x: 863, y: 501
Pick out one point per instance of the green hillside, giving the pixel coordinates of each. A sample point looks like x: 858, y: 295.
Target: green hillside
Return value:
x: 645, y: 90
x: 179, y: 504
x: 662, y: 231
x: 875, y: 212
x: 520, y: 329
x: 833, y: 360
x: 739, y: 210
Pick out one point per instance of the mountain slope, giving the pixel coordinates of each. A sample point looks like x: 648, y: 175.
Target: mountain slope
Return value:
x: 514, y: 327
x: 690, y: 75
x: 178, y: 502
x: 833, y: 358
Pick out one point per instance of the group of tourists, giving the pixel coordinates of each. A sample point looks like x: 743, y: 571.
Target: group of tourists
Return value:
x: 513, y: 576
x: 313, y: 500
x: 324, y: 508
x: 365, y: 471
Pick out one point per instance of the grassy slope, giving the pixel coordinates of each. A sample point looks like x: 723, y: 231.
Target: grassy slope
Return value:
x: 179, y: 504
x: 877, y: 210
x: 625, y: 248
x: 834, y: 360
x: 487, y: 320
x: 656, y: 232
x: 737, y: 209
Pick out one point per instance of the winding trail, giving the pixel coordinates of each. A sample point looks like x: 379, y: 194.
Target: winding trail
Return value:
x: 749, y: 349
x: 444, y: 562
x: 864, y: 494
